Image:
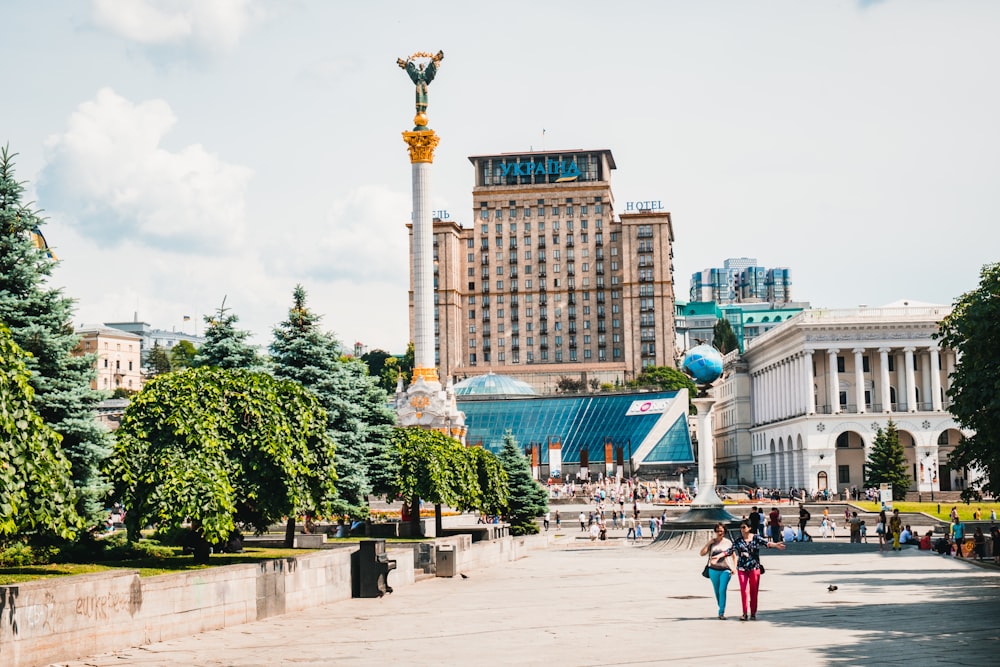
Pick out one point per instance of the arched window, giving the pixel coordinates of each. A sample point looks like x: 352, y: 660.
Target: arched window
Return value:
x: 843, y: 440
x: 943, y: 438
x: 749, y: 320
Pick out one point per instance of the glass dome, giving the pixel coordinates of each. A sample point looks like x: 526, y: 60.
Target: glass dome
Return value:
x: 492, y: 384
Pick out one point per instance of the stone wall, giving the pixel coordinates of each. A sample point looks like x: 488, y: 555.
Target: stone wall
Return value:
x: 67, y: 618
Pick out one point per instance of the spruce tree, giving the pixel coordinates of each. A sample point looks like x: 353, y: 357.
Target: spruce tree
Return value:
x: 528, y: 499
x: 40, y: 321
x: 226, y: 346
x: 887, y: 462
x: 358, y: 413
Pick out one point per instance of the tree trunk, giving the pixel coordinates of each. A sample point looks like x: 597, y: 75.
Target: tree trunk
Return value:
x: 202, y: 549
x: 437, y: 520
x: 290, y: 532
x: 415, y: 527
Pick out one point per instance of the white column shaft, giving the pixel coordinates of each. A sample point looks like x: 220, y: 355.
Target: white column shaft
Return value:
x: 423, y: 268
x: 883, y: 368
x: 911, y: 380
x: 859, y: 380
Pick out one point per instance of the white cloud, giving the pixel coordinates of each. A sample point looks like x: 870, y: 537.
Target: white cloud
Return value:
x: 363, y: 239
x: 109, y: 172
x: 207, y: 25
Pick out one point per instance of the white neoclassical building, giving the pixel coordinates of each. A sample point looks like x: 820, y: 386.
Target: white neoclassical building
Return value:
x: 821, y: 385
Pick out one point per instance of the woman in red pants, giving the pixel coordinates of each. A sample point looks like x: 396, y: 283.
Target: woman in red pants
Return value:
x: 748, y: 568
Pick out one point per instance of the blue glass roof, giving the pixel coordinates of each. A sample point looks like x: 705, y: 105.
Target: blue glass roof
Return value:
x: 578, y: 422
x: 492, y: 384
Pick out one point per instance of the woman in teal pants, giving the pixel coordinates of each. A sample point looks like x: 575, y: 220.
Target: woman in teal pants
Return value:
x: 720, y: 569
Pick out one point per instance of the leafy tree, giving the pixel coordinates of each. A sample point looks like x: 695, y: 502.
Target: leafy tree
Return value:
x: 723, y: 337
x: 971, y: 330
x: 182, y: 355
x: 359, y: 417
x: 667, y: 378
x: 493, y: 481
x: 40, y: 319
x: 376, y: 362
x: 887, y: 462
x: 36, y: 490
x: 567, y: 385
x: 219, y: 448
x: 434, y: 467
x: 225, y: 345
x: 527, y: 498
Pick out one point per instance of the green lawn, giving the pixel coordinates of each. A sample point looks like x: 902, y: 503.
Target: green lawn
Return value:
x: 147, y: 567
x: 964, y: 511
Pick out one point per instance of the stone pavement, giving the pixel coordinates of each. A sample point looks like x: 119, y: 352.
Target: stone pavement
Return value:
x: 584, y: 603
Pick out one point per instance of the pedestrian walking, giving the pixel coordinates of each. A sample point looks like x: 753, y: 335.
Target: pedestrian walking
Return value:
x: 583, y: 522
x: 855, y: 525
x: 746, y: 548
x: 545, y: 521
x: 774, y: 524
x: 558, y: 520
x: 958, y: 536
x: 721, y: 566
x: 880, y: 529
x: 804, y: 517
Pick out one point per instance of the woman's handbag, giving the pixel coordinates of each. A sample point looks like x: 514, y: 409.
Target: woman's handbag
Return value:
x: 704, y: 571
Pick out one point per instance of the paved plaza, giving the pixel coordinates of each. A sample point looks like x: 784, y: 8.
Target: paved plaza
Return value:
x: 592, y: 603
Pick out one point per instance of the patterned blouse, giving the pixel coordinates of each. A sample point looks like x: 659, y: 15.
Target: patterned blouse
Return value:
x: 747, y: 552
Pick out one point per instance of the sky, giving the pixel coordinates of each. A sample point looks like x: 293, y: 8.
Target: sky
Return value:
x: 186, y: 152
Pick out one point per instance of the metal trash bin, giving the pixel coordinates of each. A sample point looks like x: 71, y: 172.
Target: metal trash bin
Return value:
x: 370, y: 567
x: 444, y: 558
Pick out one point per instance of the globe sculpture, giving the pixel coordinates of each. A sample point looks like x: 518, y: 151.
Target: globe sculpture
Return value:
x: 704, y: 364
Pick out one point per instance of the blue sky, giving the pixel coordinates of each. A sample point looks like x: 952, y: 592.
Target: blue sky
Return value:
x: 185, y: 151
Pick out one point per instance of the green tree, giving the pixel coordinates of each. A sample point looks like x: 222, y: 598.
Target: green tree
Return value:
x: 40, y: 320
x: 667, y: 378
x: 221, y: 448
x: 723, y: 337
x: 226, y: 346
x: 376, y: 362
x: 971, y: 330
x: 433, y: 467
x: 887, y: 462
x: 493, y: 481
x: 182, y: 355
x: 36, y: 490
x: 157, y: 361
x: 527, y: 499
x: 359, y: 416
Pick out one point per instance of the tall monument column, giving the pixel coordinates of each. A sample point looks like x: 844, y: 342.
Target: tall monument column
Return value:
x: 424, y: 403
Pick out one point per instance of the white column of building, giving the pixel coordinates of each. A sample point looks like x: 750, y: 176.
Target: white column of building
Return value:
x: 950, y: 359
x: 859, y: 380
x: 901, y: 386
x: 779, y: 390
x: 935, y: 364
x: 796, y: 376
x: 771, y: 411
x: 810, y: 381
x: 883, y: 369
x: 834, y: 381
x: 783, y: 387
x: 911, y: 381
x: 925, y: 378
x: 766, y: 379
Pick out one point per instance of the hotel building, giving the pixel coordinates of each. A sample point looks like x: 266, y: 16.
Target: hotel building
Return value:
x: 548, y: 283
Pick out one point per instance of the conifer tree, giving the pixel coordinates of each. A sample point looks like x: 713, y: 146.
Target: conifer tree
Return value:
x: 528, y: 499
x: 887, y: 462
x: 226, y: 346
x: 40, y: 321
x: 358, y: 413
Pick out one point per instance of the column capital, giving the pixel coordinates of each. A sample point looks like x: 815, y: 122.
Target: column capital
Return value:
x: 910, y: 348
x: 421, y: 145
x: 808, y: 352
x: 884, y: 350
x: 858, y: 350
x: 833, y: 351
